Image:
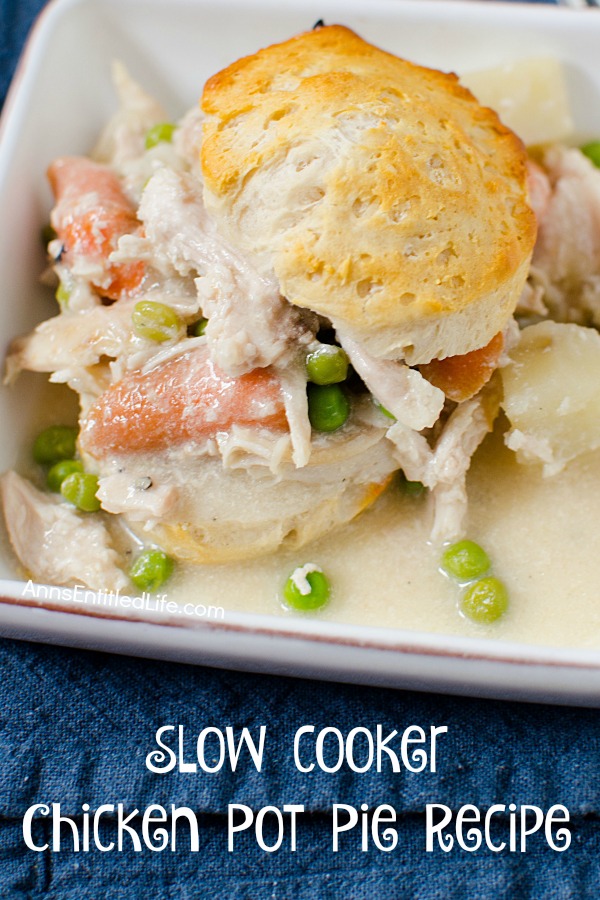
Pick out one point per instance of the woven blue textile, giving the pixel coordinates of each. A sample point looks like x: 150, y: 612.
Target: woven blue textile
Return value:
x: 76, y: 727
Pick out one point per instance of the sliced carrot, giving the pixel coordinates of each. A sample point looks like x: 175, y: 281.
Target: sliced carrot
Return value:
x: 461, y: 377
x: 184, y: 399
x: 92, y: 212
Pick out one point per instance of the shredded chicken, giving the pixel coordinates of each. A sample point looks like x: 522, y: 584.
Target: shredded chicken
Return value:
x: 409, y: 397
x: 293, y: 386
x: 69, y: 344
x: 412, y: 451
x: 187, y: 140
x: 122, y: 140
x: 74, y: 340
x: 139, y: 498
x: 447, y: 470
x: 444, y: 468
x: 450, y: 507
x: 464, y: 431
x: 56, y: 543
x: 242, y: 448
x: 539, y: 188
x: 250, y: 324
x: 531, y: 301
x: 566, y: 260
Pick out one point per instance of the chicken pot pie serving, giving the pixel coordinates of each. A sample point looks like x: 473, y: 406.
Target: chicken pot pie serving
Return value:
x: 296, y: 295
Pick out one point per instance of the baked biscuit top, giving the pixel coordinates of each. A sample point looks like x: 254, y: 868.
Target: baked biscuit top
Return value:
x: 382, y: 195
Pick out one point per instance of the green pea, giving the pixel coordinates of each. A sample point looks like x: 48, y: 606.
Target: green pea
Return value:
x: 63, y: 294
x: 411, y: 488
x: 199, y: 327
x: 327, y: 365
x: 155, y: 321
x: 161, y: 133
x: 465, y: 560
x: 60, y: 471
x: 151, y: 569
x: 55, y: 443
x: 485, y: 601
x: 328, y: 406
x: 592, y: 151
x: 80, y: 488
x: 318, y: 596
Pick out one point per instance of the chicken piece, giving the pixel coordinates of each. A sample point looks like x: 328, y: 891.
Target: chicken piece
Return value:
x: 444, y: 469
x: 411, y: 450
x: 187, y: 140
x: 123, y: 138
x: 531, y: 301
x: 56, y: 544
x: 448, y: 467
x: 465, y: 429
x: 293, y: 385
x: 74, y: 340
x: 540, y: 191
x: 250, y: 324
x: 139, y: 498
x: 91, y: 214
x: 567, y: 253
x: 412, y: 400
x: 71, y: 344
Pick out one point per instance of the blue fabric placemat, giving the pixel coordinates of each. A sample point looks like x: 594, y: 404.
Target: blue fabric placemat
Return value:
x: 76, y: 727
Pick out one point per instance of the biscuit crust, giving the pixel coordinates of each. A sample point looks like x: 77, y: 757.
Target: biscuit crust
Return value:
x: 382, y: 195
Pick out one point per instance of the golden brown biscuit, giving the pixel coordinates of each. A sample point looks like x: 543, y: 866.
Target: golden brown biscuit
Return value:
x: 381, y: 194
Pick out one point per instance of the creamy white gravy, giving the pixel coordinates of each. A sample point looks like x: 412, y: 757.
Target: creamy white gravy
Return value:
x: 541, y: 534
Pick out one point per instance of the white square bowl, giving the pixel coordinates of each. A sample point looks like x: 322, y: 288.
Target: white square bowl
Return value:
x: 61, y: 97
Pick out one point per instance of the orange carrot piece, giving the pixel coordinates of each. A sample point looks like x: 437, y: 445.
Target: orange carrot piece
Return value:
x: 183, y: 399
x: 92, y: 212
x: 461, y: 377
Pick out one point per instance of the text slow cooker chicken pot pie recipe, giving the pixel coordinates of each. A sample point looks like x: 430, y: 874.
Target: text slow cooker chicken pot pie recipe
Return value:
x: 290, y: 320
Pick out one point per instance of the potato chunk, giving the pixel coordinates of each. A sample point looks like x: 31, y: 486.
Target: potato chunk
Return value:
x: 529, y: 95
x: 552, y: 394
